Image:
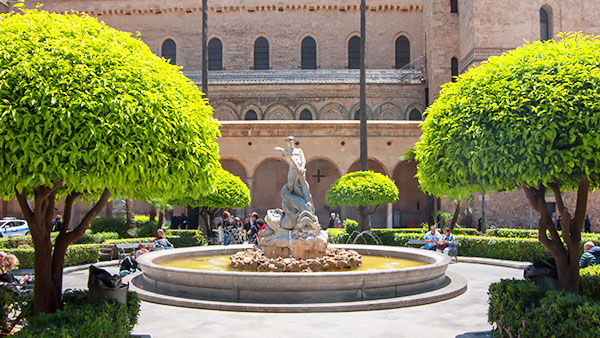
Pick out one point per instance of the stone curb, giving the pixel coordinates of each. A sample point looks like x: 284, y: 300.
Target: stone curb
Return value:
x: 496, y: 262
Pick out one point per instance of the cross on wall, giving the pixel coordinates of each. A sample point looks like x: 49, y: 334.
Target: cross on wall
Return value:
x: 318, y: 176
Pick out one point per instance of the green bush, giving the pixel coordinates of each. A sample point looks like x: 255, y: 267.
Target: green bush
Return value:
x: 76, y: 254
x: 78, y: 318
x: 96, y: 238
x: 589, y: 283
x: 187, y: 238
x: 521, y: 308
x: 110, y: 224
x: 350, y: 225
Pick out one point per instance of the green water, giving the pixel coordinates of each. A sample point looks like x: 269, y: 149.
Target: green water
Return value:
x: 221, y: 263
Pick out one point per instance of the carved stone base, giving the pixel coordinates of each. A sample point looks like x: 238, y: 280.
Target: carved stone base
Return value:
x: 297, y: 244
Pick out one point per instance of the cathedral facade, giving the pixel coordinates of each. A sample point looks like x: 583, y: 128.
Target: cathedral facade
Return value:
x: 290, y: 67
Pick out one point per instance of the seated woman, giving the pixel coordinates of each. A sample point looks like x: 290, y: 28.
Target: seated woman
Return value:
x: 447, y: 243
x: 142, y: 249
x: 7, y: 263
x: 128, y: 265
x: 161, y: 242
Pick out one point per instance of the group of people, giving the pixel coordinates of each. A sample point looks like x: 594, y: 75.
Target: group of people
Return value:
x: 435, y: 241
x: 129, y: 264
x: 231, y: 230
x: 334, y: 221
x: 7, y: 263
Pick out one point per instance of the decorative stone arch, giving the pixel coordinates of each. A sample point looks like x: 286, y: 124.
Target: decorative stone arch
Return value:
x: 248, y: 107
x: 389, y: 111
x: 355, y: 108
x: 414, y: 106
x: 235, y: 167
x: 333, y: 111
x: 225, y: 112
x: 374, y: 165
x: 321, y: 173
x: 306, y: 106
x: 178, y: 55
x: 278, y: 111
x: 301, y: 38
x: 268, y: 177
x: 411, y: 42
x: 414, y: 206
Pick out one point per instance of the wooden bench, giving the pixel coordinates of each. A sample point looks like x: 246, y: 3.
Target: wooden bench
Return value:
x: 453, y: 252
x: 107, y: 252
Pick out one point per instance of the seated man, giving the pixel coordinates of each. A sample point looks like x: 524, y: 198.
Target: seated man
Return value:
x: 591, y: 255
x: 431, y: 239
x: 128, y: 265
x: 447, y: 242
x: 161, y: 242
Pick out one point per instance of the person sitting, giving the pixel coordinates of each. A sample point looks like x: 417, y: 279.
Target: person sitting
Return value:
x: 431, y: 239
x: 161, y: 242
x: 591, y: 255
x: 141, y: 249
x: 447, y: 243
x: 8, y: 263
x: 128, y: 265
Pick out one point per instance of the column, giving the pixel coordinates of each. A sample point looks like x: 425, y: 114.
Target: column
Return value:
x: 390, y: 215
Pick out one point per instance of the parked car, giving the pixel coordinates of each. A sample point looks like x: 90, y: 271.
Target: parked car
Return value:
x: 10, y: 227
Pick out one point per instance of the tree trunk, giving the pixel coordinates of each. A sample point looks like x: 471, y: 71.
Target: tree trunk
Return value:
x: 161, y: 219
x: 455, y: 216
x: 152, y: 214
x: 129, y: 213
x: 363, y: 226
x: 205, y: 226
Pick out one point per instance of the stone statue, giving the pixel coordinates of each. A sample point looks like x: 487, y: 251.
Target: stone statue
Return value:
x: 294, y: 230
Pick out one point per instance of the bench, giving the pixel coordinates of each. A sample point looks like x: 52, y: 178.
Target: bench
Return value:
x: 107, y: 252
x: 453, y: 252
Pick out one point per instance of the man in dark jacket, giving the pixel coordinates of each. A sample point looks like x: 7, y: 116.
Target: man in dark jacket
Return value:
x: 591, y: 255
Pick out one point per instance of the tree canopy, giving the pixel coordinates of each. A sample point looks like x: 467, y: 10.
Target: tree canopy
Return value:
x: 530, y: 119
x: 228, y: 192
x: 86, y: 110
x: 362, y: 189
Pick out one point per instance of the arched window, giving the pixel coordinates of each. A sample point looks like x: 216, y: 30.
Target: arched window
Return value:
x: 354, y: 53
x: 250, y: 115
x: 415, y: 115
x: 169, y: 51
x: 215, y: 54
x: 309, y: 53
x: 357, y: 115
x: 402, y: 52
x: 453, y: 6
x: 305, y: 115
x: 545, y: 25
x: 454, y: 68
x: 261, y: 54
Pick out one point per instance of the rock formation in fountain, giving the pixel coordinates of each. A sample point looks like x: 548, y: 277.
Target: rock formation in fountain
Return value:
x: 294, y: 230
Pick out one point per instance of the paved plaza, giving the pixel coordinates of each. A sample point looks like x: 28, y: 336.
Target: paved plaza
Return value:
x: 463, y: 316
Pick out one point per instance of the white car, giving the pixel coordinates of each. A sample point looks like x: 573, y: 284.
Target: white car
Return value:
x: 10, y: 227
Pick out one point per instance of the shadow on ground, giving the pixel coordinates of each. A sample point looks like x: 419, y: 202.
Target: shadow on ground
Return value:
x: 479, y: 334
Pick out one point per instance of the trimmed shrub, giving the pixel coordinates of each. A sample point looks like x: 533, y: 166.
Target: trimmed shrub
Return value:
x: 96, y: 238
x: 515, y: 249
x: 187, y: 238
x: 110, y: 224
x: 589, y: 283
x: 78, y: 318
x: 76, y: 254
x: 521, y: 308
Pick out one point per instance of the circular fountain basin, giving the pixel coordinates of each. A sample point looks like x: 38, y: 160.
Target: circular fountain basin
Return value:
x: 296, y: 291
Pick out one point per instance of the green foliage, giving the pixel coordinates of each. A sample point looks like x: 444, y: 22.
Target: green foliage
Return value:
x: 228, y: 192
x: 589, y: 282
x: 110, y: 224
x: 362, y: 188
x: 76, y: 254
x: 96, y: 238
x: 350, y: 225
x: 12, y: 301
x: 524, y: 309
x: 99, y: 110
x: 186, y: 238
x: 134, y: 240
x: 525, y: 118
x: 78, y: 318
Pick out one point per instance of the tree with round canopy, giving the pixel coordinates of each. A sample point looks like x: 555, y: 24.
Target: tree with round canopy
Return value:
x: 363, y: 190
x: 530, y: 120
x: 228, y: 191
x: 89, y: 112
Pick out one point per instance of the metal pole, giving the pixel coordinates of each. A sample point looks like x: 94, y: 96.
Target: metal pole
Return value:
x: 483, y: 212
x: 364, y: 156
x: 205, y: 48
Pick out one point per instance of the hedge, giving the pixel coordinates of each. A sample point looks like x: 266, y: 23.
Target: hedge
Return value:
x: 78, y: 318
x: 96, y: 238
x: 589, y: 283
x: 521, y: 308
x: 76, y: 254
x: 187, y: 238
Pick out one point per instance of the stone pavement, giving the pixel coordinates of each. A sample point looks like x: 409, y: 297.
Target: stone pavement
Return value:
x: 464, y: 316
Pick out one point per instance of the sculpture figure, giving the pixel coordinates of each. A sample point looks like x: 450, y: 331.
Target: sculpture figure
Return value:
x: 294, y: 230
